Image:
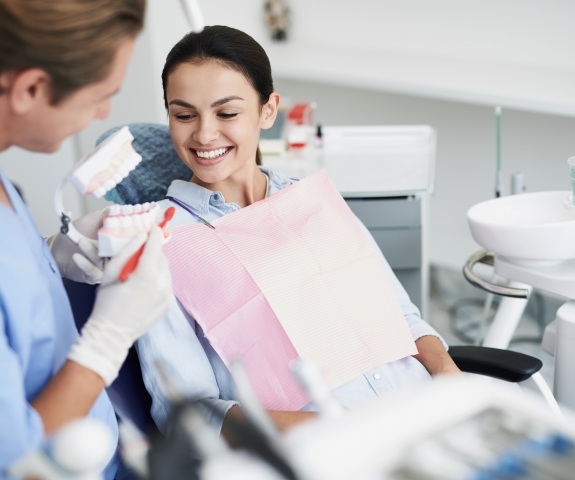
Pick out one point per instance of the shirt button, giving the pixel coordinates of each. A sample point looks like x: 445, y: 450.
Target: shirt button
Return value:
x: 377, y: 376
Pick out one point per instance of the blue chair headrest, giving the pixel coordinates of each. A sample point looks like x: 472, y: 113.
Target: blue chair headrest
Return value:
x: 160, y: 165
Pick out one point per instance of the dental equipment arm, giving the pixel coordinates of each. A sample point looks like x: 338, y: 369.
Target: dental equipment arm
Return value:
x: 282, y: 420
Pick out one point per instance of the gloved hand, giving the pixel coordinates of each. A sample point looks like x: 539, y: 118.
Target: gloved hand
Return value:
x: 80, y: 262
x: 123, y: 311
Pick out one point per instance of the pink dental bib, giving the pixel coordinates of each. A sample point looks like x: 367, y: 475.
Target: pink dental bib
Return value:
x: 294, y: 275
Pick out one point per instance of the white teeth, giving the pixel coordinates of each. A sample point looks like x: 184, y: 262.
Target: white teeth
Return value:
x: 117, y: 178
x: 111, y: 222
x: 211, y: 153
x: 114, y: 210
x: 123, y: 222
x: 139, y: 216
x: 109, y: 184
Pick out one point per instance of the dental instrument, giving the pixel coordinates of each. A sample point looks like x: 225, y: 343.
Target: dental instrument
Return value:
x: 195, y: 450
x: 250, y: 403
x: 453, y: 428
x: 263, y: 437
x: 190, y: 211
x: 498, y: 174
x: 135, y: 447
x: 311, y: 380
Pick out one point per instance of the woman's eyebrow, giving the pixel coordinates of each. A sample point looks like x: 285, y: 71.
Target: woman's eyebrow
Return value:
x: 217, y: 103
x: 180, y: 103
x: 220, y: 102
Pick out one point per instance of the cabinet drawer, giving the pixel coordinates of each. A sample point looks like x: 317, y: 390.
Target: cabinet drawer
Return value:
x: 387, y: 212
x: 401, y: 247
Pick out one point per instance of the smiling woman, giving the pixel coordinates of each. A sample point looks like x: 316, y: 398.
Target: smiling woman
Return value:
x: 219, y: 94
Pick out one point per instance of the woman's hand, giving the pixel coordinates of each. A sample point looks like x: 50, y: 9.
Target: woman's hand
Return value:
x: 434, y: 357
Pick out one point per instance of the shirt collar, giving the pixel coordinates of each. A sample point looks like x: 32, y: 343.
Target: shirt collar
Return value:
x: 200, y: 198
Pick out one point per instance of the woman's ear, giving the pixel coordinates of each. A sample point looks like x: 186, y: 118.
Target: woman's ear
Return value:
x: 270, y: 111
x: 27, y: 88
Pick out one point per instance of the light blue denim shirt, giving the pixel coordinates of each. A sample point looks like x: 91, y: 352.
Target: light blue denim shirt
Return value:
x: 193, y: 365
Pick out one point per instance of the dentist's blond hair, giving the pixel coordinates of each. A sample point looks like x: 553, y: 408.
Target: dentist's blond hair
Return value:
x: 74, y: 41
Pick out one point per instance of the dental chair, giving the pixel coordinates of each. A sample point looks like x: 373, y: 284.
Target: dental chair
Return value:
x: 149, y: 182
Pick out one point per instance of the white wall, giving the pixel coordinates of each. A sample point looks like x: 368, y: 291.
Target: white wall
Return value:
x: 499, y: 39
x: 525, y: 35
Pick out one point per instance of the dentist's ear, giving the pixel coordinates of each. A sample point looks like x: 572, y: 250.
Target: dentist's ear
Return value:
x: 270, y: 111
x: 26, y: 88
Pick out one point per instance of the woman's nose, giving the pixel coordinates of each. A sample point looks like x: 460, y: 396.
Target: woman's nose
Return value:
x: 206, y: 131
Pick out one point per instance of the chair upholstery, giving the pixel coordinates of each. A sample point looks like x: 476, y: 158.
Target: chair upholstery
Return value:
x: 160, y: 164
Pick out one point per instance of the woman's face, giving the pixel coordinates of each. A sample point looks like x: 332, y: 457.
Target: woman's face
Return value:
x: 215, y: 120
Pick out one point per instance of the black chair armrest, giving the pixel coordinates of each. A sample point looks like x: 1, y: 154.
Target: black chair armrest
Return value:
x: 495, y: 362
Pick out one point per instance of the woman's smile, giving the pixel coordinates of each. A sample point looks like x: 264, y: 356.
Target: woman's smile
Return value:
x: 209, y: 157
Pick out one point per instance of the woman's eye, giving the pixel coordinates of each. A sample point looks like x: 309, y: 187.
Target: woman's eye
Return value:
x: 226, y: 116
x: 183, y: 116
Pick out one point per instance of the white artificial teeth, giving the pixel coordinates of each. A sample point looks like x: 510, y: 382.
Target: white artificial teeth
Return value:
x: 127, y: 209
x: 109, y: 184
x: 114, y: 210
x: 122, y: 222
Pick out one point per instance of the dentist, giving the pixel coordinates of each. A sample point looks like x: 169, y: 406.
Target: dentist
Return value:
x: 60, y: 63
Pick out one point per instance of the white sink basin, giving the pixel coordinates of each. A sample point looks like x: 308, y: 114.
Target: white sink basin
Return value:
x: 528, y: 228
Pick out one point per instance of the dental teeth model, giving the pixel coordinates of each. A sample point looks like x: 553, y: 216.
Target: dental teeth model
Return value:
x: 123, y: 222
x: 107, y: 165
x: 98, y: 172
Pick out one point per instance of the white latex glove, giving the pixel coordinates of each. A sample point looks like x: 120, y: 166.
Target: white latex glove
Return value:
x: 80, y: 262
x: 123, y: 311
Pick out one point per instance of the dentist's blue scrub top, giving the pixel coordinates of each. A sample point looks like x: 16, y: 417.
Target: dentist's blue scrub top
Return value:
x: 36, y: 332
